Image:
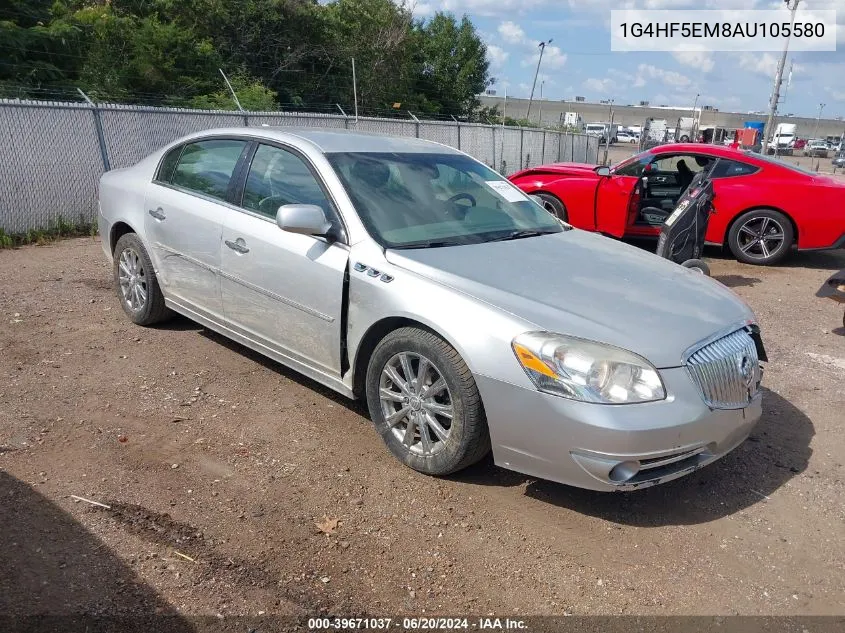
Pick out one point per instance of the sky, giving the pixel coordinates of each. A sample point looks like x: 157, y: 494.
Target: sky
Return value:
x: 579, y: 62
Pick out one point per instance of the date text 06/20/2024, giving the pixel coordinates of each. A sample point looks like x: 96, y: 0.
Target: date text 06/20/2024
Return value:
x: 417, y: 624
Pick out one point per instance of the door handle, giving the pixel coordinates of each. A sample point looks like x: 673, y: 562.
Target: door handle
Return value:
x: 239, y: 246
x: 158, y: 214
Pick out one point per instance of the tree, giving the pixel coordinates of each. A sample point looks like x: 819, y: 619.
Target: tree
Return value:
x: 452, y: 65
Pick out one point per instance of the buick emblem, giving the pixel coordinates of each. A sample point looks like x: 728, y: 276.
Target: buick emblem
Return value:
x: 746, y: 370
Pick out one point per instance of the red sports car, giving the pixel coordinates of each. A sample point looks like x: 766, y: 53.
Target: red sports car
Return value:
x: 763, y: 207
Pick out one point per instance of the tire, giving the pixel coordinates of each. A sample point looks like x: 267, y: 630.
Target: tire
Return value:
x: 134, y: 270
x: 746, y: 244
x: 426, y: 449
x: 698, y: 266
x: 553, y: 205
x: 685, y: 139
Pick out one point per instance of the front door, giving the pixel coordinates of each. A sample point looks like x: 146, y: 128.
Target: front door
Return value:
x: 281, y: 289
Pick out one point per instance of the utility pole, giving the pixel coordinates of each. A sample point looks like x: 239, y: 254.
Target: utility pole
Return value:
x: 355, y: 89
x: 773, y: 104
x: 542, y: 46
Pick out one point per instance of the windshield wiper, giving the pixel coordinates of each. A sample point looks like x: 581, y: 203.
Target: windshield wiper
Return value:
x: 426, y: 244
x: 518, y: 235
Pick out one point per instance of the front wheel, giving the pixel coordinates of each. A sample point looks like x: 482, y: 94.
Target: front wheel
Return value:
x: 425, y: 403
x: 553, y: 205
x: 761, y: 237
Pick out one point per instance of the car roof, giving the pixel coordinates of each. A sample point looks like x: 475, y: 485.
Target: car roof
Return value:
x: 330, y: 141
x: 696, y: 148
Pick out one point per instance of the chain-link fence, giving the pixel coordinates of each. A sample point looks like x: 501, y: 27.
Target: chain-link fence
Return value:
x: 53, y: 153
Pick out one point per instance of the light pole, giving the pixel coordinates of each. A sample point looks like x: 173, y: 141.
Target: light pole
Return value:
x: 773, y: 104
x: 818, y: 118
x: 542, y: 46
x: 695, y: 121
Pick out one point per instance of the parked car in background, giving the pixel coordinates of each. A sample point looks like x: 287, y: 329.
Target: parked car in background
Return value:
x: 764, y: 206
x: 817, y: 148
x: 800, y: 143
x: 625, y: 136
x: 412, y: 276
x: 839, y: 159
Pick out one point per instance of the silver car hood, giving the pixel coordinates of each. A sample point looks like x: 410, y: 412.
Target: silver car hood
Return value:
x: 589, y: 286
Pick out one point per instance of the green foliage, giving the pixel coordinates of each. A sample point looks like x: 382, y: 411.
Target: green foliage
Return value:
x: 276, y: 52
x: 252, y: 95
x: 59, y: 227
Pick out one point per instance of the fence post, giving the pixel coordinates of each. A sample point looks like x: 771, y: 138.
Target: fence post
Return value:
x: 493, y: 134
x: 543, y: 150
x: 345, y: 117
x: 98, y: 125
x: 559, y: 148
x: 458, y: 123
x: 416, y: 121
x: 521, y: 146
x: 587, y: 151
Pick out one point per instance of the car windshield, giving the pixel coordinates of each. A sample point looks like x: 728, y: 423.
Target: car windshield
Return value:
x: 420, y: 200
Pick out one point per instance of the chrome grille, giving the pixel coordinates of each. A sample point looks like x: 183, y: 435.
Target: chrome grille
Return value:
x: 727, y: 371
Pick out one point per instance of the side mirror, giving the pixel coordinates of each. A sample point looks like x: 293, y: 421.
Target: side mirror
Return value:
x: 305, y: 219
x: 603, y: 171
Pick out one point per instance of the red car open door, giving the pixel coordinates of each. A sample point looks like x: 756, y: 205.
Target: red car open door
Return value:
x: 617, y: 202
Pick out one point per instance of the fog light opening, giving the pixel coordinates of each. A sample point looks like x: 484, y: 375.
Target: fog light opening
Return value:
x: 624, y: 471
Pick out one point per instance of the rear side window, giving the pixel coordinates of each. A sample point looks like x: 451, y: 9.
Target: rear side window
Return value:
x: 727, y: 168
x: 207, y: 166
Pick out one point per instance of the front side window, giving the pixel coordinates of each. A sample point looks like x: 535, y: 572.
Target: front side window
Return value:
x: 276, y: 178
x: 206, y: 166
x: 426, y: 200
x: 633, y: 166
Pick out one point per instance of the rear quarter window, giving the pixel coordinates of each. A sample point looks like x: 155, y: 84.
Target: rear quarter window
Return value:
x: 168, y: 164
x: 727, y: 168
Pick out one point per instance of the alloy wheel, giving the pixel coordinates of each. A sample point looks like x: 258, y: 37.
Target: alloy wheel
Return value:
x: 132, y: 279
x: 760, y: 237
x: 416, y: 403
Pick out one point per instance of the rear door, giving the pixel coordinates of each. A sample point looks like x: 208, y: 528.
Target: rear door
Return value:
x: 282, y: 289
x: 185, y: 208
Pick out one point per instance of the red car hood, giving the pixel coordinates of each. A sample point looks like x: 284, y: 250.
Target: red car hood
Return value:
x: 564, y: 169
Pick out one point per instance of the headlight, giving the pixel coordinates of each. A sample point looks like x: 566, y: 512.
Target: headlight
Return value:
x: 587, y: 371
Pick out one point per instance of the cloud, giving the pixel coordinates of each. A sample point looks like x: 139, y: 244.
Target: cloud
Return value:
x: 599, y: 85
x: 646, y: 72
x: 836, y: 95
x: 511, y: 32
x: 700, y: 60
x: 553, y: 57
x: 765, y: 64
x: 497, y: 55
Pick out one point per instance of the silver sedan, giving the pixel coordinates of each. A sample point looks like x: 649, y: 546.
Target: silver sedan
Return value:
x: 409, y: 274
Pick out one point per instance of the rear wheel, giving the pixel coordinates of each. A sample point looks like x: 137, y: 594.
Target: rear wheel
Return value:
x: 553, y: 205
x: 137, y: 286
x: 425, y: 403
x: 761, y: 236
x: 698, y: 266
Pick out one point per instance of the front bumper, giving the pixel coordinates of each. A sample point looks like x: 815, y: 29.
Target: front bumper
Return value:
x: 611, y: 447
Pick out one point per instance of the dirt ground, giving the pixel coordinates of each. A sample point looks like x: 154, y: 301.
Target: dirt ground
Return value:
x: 217, y: 466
